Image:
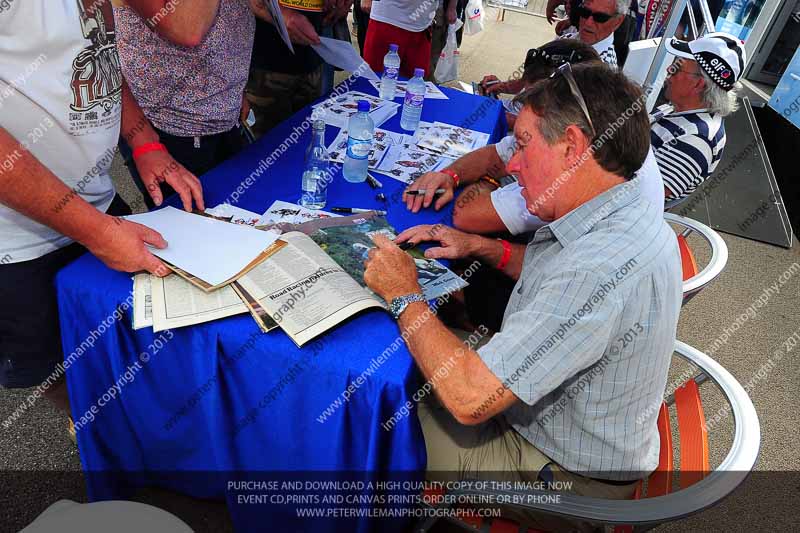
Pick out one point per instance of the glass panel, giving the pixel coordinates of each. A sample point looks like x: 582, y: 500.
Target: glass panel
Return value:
x: 738, y: 17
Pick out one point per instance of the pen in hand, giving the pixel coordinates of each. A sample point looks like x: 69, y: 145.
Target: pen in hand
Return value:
x: 420, y: 192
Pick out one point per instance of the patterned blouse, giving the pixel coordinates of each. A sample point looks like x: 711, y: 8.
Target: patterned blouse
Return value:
x: 186, y: 91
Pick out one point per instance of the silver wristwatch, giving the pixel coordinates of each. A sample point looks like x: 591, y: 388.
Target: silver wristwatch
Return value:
x: 399, y: 304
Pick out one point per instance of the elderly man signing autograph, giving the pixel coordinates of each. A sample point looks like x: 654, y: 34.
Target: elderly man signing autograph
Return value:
x: 563, y: 391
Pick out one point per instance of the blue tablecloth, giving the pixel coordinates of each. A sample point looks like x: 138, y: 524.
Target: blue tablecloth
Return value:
x: 197, y: 409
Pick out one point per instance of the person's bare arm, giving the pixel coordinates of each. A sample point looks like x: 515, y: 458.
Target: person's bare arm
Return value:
x: 183, y: 23
x: 300, y: 29
x: 158, y: 166
x: 470, y: 168
x: 391, y: 273
x: 454, y: 244
x: 29, y: 188
x: 474, y: 212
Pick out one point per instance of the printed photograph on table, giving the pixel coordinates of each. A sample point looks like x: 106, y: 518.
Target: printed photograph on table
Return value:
x: 349, y: 245
x: 337, y: 110
x: 281, y: 212
x: 432, y: 92
x: 382, y: 140
x: 452, y: 141
x: 406, y: 162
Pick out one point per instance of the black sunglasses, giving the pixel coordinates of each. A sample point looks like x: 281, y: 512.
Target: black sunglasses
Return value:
x: 553, y: 60
x: 598, y: 16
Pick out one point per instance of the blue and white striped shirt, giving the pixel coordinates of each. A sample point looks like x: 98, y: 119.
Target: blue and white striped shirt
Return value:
x: 688, y: 147
x: 588, y: 334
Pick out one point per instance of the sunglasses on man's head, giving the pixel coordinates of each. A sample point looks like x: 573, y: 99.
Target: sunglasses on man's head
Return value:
x: 566, y: 71
x: 598, y: 16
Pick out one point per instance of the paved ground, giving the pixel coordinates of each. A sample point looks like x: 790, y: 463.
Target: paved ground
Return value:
x: 42, y: 465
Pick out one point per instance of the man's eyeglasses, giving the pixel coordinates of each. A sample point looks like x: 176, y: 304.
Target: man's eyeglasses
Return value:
x: 566, y: 71
x: 598, y: 16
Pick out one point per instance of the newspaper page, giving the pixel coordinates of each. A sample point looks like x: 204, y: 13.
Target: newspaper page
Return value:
x: 259, y: 314
x: 178, y: 303
x: 304, y: 290
x: 142, y: 301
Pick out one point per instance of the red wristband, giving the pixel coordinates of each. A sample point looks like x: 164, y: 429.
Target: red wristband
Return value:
x: 506, y: 255
x: 148, y: 147
x: 452, y: 174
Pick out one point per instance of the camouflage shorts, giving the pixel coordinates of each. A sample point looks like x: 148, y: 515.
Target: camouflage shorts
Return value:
x: 275, y: 96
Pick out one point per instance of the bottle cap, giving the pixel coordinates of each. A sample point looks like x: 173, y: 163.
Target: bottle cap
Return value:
x: 363, y: 106
x: 419, y: 72
x: 393, y: 47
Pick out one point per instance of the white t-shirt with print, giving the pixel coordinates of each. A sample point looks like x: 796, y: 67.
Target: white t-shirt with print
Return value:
x: 60, y: 94
x: 411, y: 15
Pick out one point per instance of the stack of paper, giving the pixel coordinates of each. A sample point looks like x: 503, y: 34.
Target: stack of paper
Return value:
x: 337, y: 110
x: 206, y: 256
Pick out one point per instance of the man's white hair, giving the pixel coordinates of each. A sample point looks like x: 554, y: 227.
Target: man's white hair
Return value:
x: 716, y: 99
x: 623, y: 7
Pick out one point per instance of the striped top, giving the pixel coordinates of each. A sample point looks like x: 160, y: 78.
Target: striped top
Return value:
x: 588, y: 335
x: 688, y: 147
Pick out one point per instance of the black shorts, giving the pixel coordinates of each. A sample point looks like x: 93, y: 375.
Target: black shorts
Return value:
x: 30, y: 337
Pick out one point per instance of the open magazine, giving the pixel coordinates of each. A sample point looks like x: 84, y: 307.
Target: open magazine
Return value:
x: 317, y: 280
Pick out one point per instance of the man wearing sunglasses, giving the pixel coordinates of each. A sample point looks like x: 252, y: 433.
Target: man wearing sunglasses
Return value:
x: 597, y: 22
x: 555, y: 395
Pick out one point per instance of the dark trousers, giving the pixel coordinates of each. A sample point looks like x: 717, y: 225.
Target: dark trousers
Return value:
x: 30, y: 335
x: 212, y: 150
x: 362, y: 22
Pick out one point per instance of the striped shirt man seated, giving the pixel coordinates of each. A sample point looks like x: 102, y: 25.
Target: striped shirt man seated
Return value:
x: 688, y: 142
x: 564, y: 391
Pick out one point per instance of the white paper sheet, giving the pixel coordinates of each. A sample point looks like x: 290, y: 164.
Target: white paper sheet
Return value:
x: 209, y: 249
x: 342, y: 54
x: 275, y: 10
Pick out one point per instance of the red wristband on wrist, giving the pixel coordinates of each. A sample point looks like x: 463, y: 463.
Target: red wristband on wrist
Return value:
x: 452, y: 174
x: 148, y: 147
x: 506, y: 255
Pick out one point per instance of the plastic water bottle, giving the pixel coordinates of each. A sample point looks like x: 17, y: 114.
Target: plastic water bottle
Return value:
x: 412, y: 106
x: 391, y: 66
x: 360, y: 132
x: 316, y: 172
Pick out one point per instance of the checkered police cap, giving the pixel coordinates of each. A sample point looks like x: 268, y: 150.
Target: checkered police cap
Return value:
x: 720, y: 55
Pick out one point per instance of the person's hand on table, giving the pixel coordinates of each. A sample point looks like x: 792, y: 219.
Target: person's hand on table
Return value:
x: 159, y: 167
x: 300, y: 29
x: 453, y: 244
x: 390, y: 272
x: 429, y: 182
x: 120, y: 244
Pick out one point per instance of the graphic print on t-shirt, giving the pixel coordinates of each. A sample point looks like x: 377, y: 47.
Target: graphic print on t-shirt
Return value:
x: 96, y: 73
